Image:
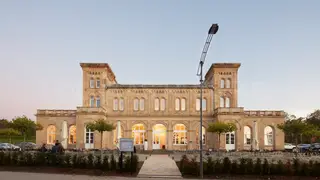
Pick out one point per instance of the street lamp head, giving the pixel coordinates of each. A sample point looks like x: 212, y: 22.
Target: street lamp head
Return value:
x: 213, y: 29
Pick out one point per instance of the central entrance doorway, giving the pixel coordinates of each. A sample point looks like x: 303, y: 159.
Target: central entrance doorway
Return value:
x: 159, y: 132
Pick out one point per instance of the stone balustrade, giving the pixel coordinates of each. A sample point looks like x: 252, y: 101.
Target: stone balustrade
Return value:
x: 93, y: 110
x: 264, y: 113
x: 56, y: 112
x: 237, y: 110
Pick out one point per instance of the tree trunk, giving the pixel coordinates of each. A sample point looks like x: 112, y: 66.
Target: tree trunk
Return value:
x: 101, y: 139
x: 24, y: 137
x: 219, y: 141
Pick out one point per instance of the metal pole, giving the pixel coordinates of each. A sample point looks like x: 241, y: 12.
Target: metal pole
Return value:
x: 200, y: 130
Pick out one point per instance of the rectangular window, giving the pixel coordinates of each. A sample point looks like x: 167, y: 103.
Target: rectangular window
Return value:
x: 198, y: 104
x: 98, y: 102
x: 121, y: 103
x: 98, y: 83
x: 115, y: 104
x: 177, y: 104
x: 91, y: 83
x: 204, y: 104
x: 183, y: 104
x: 135, y: 104
x: 91, y: 101
x: 141, y: 104
x: 163, y: 104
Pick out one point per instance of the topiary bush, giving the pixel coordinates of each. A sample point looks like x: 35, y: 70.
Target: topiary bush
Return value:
x: 67, y: 160
x: 249, y: 167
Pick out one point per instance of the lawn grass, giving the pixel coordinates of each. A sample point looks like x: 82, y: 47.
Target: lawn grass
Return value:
x: 16, y: 139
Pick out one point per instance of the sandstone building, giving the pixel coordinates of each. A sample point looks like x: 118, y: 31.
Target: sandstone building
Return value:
x: 166, y: 116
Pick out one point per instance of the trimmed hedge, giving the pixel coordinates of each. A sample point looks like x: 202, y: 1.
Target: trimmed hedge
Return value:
x: 247, y: 166
x: 104, y: 163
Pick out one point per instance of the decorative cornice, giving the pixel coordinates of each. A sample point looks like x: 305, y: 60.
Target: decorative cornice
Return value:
x: 157, y: 86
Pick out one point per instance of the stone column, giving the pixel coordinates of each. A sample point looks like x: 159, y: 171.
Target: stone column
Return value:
x: 118, y: 133
x: 255, y: 139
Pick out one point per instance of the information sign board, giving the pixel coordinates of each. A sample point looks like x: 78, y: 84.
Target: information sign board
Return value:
x: 126, y: 145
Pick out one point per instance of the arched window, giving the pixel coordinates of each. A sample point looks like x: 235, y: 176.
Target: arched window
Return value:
x: 91, y: 83
x: 51, y: 134
x: 221, y: 102
x: 138, y: 133
x: 203, y: 136
x: 177, y: 103
x: 115, y: 104
x: 198, y: 104
x: 268, y: 136
x: 121, y: 104
x: 179, y: 134
x: 157, y: 104
x: 91, y: 101
x: 228, y: 83
x: 183, y: 104
x: 222, y: 83
x: 204, y: 104
x: 227, y: 102
x: 136, y: 104
x: 247, y: 135
x: 98, y: 101
x: 163, y: 104
x: 72, y: 134
x: 141, y: 103
x: 98, y: 83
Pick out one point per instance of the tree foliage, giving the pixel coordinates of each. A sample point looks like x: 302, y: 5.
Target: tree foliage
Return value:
x: 24, y: 125
x: 9, y: 132
x: 101, y: 126
x: 4, y: 124
x: 314, y: 118
x: 221, y: 127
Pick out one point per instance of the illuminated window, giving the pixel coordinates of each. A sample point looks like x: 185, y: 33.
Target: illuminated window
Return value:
x: 203, y: 136
x: 72, y: 134
x: 179, y: 134
x: 51, y: 134
x: 138, y: 133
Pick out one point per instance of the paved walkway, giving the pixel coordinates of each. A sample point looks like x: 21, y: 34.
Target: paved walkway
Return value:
x: 159, y: 166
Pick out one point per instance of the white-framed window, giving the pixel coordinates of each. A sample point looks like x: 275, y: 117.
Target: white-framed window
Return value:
x: 138, y: 133
x: 177, y: 104
x: 51, y: 134
x: 203, y: 135
x: 228, y: 83
x: 198, y: 104
x: 72, y: 134
x: 121, y: 104
x: 115, y: 104
x: 98, y: 101
x: 98, y: 83
x: 183, y: 104
x: 222, y: 83
x: 163, y: 104
x: 268, y: 136
x: 91, y: 83
x: 179, y: 134
x: 141, y: 104
x: 227, y: 102
x: 247, y: 135
x: 156, y: 104
x: 91, y: 101
x: 136, y: 104
x: 221, y: 102
x: 89, y: 136
x: 204, y: 104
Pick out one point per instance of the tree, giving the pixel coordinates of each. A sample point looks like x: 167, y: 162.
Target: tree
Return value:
x: 4, y: 124
x: 311, y: 132
x: 314, y: 118
x: 9, y: 132
x: 101, y: 126
x: 295, y: 128
x: 38, y: 127
x: 220, y: 128
x: 24, y: 125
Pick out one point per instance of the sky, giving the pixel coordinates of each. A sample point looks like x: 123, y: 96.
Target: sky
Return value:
x: 158, y: 42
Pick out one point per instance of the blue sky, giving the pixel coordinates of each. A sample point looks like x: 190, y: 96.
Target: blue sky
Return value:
x: 150, y: 42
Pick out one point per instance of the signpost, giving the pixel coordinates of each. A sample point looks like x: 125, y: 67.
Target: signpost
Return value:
x: 126, y: 145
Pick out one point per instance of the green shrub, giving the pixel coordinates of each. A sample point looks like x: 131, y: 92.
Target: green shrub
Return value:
x: 105, y: 164
x: 113, y: 163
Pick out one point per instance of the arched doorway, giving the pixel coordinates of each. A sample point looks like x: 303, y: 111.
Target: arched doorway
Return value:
x: 230, y: 141
x: 159, y: 136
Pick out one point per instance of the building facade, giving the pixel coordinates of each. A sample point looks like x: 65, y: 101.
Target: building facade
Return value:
x: 161, y: 116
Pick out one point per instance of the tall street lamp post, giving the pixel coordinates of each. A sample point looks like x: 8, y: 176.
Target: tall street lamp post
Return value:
x: 213, y: 30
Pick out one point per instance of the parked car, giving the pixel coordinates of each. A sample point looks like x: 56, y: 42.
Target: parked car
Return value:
x: 27, y: 145
x: 303, y: 147
x: 289, y: 147
x: 8, y: 146
x: 315, y: 147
